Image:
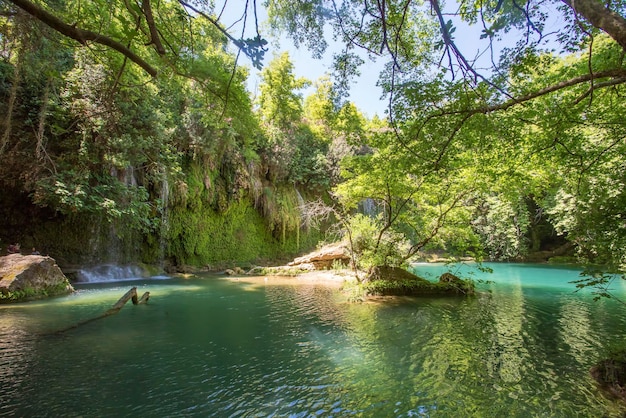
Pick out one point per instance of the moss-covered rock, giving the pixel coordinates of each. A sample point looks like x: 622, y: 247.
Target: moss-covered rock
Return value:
x: 25, y: 277
x: 395, y: 281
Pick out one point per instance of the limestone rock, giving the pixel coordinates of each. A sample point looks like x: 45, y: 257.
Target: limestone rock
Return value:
x: 324, y: 257
x: 25, y: 277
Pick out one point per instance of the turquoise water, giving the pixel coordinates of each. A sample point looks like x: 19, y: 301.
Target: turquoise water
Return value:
x: 208, y: 346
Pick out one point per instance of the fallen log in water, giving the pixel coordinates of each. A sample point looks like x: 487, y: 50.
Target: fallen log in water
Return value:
x: 130, y: 295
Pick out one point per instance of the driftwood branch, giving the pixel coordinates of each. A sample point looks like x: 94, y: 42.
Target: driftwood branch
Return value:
x: 130, y: 295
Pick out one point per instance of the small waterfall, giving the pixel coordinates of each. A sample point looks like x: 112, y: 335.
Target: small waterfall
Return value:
x: 129, y: 176
x: 165, y: 197
x: 109, y: 273
x: 301, y: 207
x: 369, y: 207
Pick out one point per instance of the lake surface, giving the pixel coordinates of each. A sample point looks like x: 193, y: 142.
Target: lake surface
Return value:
x: 210, y: 346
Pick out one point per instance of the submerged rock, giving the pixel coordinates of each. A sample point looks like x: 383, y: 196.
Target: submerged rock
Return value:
x: 24, y: 277
x: 611, y: 375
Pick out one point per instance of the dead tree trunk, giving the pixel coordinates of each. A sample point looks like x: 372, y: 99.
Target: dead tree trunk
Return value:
x: 130, y: 295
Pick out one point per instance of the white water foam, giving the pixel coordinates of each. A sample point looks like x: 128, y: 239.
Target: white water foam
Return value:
x: 110, y: 273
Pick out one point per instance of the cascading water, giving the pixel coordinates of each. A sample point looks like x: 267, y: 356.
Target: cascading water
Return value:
x: 109, y: 273
x: 129, y: 177
x: 301, y: 205
x: 165, y: 193
x: 369, y: 207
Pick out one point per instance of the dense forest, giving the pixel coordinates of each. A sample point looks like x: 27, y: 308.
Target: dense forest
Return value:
x: 127, y: 133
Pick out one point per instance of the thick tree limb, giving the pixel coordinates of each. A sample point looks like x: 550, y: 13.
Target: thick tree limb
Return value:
x: 601, y: 17
x: 81, y: 35
x: 618, y: 74
x: 154, y: 33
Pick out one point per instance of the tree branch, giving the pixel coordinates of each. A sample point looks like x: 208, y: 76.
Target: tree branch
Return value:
x: 154, y: 33
x: 619, y: 74
x: 601, y: 17
x: 81, y: 35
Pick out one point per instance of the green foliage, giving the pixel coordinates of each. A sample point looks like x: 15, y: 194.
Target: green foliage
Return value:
x: 30, y: 293
x: 278, y: 271
x: 374, y: 246
x: 600, y: 282
x: 201, y: 236
x: 279, y: 104
x: 128, y: 158
x: 502, y: 226
x: 464, y: 163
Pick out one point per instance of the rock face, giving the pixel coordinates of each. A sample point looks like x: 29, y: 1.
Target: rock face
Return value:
x: 24, y: 277
x: 324, y: 257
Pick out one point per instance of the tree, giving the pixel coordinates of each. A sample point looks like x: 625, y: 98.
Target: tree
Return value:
x: 147, y: 33
x: 280, y: 104
x: 416, y: 36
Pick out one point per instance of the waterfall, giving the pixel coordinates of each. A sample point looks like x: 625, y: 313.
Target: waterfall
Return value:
x: 301, y: 201
x: 129, y: 177
x: 165, y: 194
x: 368, y: 207
x: 109, y: 273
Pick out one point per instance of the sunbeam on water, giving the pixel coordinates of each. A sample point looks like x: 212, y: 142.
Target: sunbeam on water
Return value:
x: 209, y: 346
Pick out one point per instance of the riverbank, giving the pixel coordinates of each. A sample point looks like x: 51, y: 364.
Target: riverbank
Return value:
x: 331, y: 278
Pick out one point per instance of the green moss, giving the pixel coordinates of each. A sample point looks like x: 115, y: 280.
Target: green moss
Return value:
x: 217, y: 225
x: 563, y: 259
x: 610, y: 374
x: 205, y: 237
x: 278, y: 271
x: 394, y: 281
x: 416, y: 287
x: 30, y: 293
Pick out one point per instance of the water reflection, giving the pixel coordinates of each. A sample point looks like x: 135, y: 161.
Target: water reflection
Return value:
x: 210, y: 347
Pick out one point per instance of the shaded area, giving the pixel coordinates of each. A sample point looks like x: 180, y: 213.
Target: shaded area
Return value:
x: 611, y: 374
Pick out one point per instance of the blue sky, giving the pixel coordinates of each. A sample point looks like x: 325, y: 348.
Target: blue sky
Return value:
x: 364, y: 92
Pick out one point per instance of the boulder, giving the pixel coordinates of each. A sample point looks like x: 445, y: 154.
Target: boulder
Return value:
x: 24, y: 277
x: 325, y: 257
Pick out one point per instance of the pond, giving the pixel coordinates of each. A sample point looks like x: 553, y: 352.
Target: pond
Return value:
x: 211, y: 346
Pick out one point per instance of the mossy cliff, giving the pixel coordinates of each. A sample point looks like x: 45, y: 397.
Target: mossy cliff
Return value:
x: 211, y: 219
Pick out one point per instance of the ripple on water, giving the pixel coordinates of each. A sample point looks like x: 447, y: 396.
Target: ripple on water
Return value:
x: 217, y: 348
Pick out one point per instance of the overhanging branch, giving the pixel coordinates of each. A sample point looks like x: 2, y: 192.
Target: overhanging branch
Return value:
x: 81, y: 35
x: 619, y: 76
x: 601, y: 17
